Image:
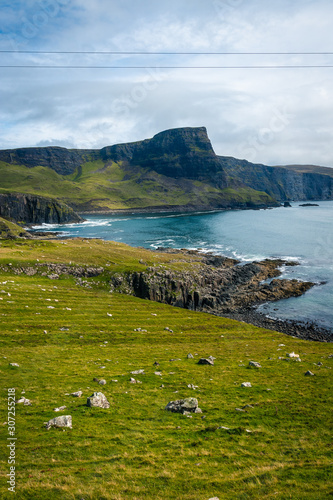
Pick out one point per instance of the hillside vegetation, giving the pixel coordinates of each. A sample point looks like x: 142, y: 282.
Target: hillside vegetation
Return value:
x: 101, y: 186
x: 271, y: 440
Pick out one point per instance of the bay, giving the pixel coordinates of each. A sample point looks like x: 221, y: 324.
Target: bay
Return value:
x: 298, y: 233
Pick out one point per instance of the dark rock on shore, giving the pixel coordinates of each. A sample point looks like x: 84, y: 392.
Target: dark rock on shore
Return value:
x: 309, y: 205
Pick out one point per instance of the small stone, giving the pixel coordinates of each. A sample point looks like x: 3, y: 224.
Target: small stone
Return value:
x: 320, y: 363
x: 77, y: 394
x: 190, y: 356
x: 184, y: 405
x: 98, y: 400
x: 63, y: 421
x: 254, y: 364
x: 61, y: 408
x: 108, y: 314
x: 292, y: 355
x: 156, y: 363
x: 14, y: 364
x: 158, y: 373
x: 191, y: 386
x: 132, y: 380
x: 168, y: 329
x: 214, y: 498
x: 114, y: 380
x: 246, y: 384
x: 102, y: 382
x: 137, y: 372
x: 206, y: 361
x: 24, y: 400
x: 309, y: 374
x: 162, y: 386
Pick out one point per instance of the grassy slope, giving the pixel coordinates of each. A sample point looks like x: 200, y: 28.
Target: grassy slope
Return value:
x: 96, y: 186
x: 135, y: 449
x: 10, y: 230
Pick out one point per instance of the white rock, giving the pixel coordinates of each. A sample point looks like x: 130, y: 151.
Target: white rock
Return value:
x: 254, y: 364
x: 137, y: 372
x: 63, y: 421
x: 246, y: 384
x: 61, y: 408
x: 77, y: 394
x: 14, y: 364
x: 292, y: 355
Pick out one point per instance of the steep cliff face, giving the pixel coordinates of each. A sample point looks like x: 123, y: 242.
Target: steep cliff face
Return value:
x: 61, y: 160
x: 280, y: 182
x: 162, y: 171
x: 177, y: 153
x: 36, y: 209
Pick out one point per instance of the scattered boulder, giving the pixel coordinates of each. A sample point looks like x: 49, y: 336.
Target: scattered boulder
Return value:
x: 14, y: 364
x: 191, y: 386
x: 206, y: 361
x: 292, y: 355
x: 214, y: 498
x: 138, y: 372
x: 309, y: 374
x: 246, y: 384
x: 77, y: 394
x: 98, y: 400
x: 254, y: 364
x: 63, y: 421
x: 102, y: 382
x: 61, y: 408
x: 189, y: 405
x: 168, y: 329
x: 24, y: 400
x: 190, y: 356
x: 156, y: 363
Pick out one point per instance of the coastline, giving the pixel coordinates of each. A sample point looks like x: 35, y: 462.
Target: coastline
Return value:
x: 297, y: 329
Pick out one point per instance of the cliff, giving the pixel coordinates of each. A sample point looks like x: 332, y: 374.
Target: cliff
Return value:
x: 35, y: 209
x: 282, y: 183
x: 176, y: 169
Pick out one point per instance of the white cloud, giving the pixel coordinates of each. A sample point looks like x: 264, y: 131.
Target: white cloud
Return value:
x: 275, y: 116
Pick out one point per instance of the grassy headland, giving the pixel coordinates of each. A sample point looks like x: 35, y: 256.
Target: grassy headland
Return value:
x: 63, y: 334
x: 100, y: 185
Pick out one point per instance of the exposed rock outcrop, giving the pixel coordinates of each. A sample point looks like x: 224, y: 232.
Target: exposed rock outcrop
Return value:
x: 33, y: 209
x: 282, y: 183
x: 219, y: 290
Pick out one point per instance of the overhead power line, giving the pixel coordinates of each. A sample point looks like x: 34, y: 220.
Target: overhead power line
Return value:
x: 112, y: 52
x: 168, y: 67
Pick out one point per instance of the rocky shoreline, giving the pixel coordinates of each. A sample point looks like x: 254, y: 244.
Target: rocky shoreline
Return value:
x: 298, y: 329
x: 210, y: 283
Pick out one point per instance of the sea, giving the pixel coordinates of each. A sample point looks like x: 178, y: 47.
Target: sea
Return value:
x: 302, y: 234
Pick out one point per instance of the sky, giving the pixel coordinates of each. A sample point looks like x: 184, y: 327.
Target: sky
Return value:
x: 274, y: 116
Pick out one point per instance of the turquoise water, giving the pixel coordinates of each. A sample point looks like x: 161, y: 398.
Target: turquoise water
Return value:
x: 301, y: 233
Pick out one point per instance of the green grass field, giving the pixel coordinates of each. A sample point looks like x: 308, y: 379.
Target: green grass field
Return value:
x: 136, y: 450
x: 96, y: 186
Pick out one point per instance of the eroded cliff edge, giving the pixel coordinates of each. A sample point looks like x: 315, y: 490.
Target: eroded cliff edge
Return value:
x: 32, y: 209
